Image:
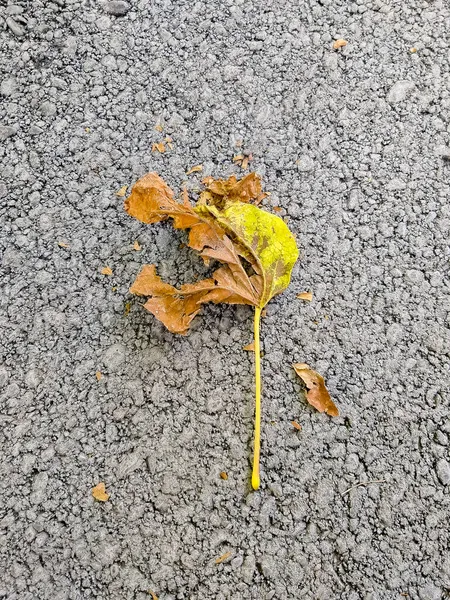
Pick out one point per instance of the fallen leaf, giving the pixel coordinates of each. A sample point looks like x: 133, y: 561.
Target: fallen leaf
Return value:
x: 98, y: 375
x: 305, y: 296
x: 99, y: 492
x: 295, y: 425
x: 223, y: 475
x: 223, y: 557
x: 249, y: 347
x: 256, y: 250
x: 413, y: 50
x: 153, y: 595
x: 123, y: 190
x: 194, y: 169
x: 161, y: 148
x: 127, y: 308
x: 63, y: 245
x: 159, y: 127
x: 317, y: 394
x: 114, y: 289
x: 340, y: 43
x: 245, y: 162
x: 107, y: 271
x: 238, y: 158
x: 277, y: 208
x: 136, y: 246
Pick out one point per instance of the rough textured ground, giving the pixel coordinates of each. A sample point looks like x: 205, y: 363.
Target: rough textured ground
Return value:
x: 353, y: 145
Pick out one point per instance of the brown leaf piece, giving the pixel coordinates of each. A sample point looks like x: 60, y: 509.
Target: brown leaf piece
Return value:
x: 317, y: 395
x: 249, y: 347
x: 220, y: 559
x: 123, y: 190
x: 161, y: 148
x: 195, y: 169
x: 107, y: 271
x: 296, y: 426
x: 222, y: 190
x: 98, y: 375
x: 159, y: 127
x: 223, y: 475
x: 63, y: 245
x: 136, y: 246
x: 305, y: 296
x: 153, y: 595
x: 99, y: 492
x: 340, y: 43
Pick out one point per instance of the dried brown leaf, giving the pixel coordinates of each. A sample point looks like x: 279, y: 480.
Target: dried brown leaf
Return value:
x: 317, y: 394
x: 238, y: 158
x: 153, y: 595
x: 340, y: 43
x: 249, y: 347
x: 159, y: 127
x: 223, y: 475
x: 195, y: 169
x: 246, y: 189
x: 136, y: 246
x: 305, y: 296
x: 107, y: 271
x: 127, y: 308
x: 99, y: 492
x: 98, y: 375
x: 160, y: 147
x: 123, y: 190
x: 296, y: 426
x: 277, y: 208
x: 220, y: 559
x: 63, y: 245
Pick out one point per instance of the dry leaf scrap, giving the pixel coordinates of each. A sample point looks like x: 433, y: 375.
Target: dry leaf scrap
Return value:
x: 220, y: 559
x: 305, y: 296
x: 195, y: 169
x: 340, y: 43
x: 160, y: 147
x: 99, y: 492
x: 107, y: 271
x: 123, y: 190
x: 317, y: 394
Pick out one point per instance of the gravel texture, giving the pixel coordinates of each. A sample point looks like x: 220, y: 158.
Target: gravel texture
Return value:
x: 354, y: 145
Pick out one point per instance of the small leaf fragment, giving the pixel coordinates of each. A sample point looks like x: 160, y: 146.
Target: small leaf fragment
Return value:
x: 63, y: 245
x: 194, y: 169
x: 223, y: 475
x: 153, y: 595
x: 107, y: 271
x: 127, y: 308
x: 220, y: 559
x: 99, y: 492
x: 296, y: 426
x: 305, y: 296
x: 277, y: 208
x: 317, y: 395
x: 123, y: 190
x: 249, y: 347
x: 98, y: 375
x: 136, y: 246
x: 161, y: 148
x: 340, y: 43
x: 159, y: 127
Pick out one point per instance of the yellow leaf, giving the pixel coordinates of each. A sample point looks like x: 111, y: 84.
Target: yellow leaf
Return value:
x: 340, y: 43
x: 153, y: 595
x: 107, y: 271
x: 249, y: 347
x: 99, y: 492
x: 223, y: 475
x: 159, y: 128
x: 305, y: 296
x: 136, y: 246
x: 317, y: 395
x: 195, y: 169
x: 63, y: 245
x: 264, y: 240
x: 220, y: 559
x: 159, y: 147
x: 98, y: 375
x: 123, y: 190
x: 127, y: 308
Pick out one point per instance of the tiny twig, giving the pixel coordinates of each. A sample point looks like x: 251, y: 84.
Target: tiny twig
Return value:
x: 363, y: 483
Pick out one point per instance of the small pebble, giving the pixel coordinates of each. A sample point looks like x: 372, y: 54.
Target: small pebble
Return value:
x: 15, y: 27
x: 443, y: 471
x: 118, y: 8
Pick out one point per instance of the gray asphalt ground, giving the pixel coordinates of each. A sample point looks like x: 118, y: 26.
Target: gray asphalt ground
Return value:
x: 353, y: 144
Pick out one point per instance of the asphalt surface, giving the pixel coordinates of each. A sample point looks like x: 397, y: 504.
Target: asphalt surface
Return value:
x: 353, y: 145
